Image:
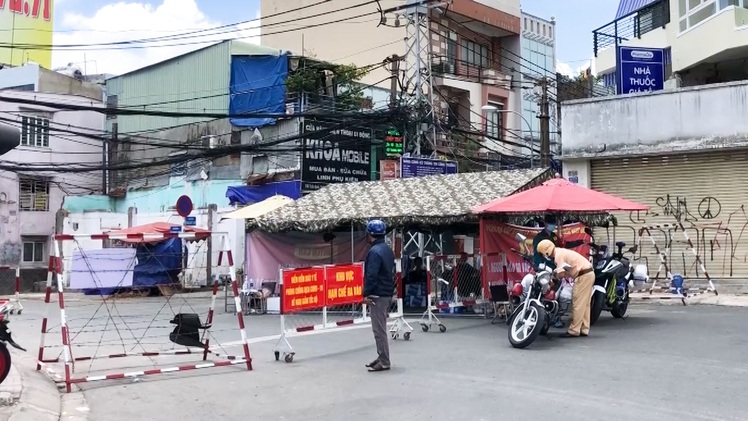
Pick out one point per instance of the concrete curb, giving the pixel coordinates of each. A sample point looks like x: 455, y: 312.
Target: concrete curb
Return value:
x: 726, y: 300
x: 40, y: 399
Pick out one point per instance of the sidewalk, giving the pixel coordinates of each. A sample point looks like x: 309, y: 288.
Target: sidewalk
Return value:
x: 728, y: 300
x: 28, y: 395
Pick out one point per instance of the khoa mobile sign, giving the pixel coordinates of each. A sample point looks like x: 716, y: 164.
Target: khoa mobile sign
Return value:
x: 341, y: 155
x: 640, y: 70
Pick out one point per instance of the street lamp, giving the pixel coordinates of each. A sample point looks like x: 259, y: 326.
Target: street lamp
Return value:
x: 488, y: 108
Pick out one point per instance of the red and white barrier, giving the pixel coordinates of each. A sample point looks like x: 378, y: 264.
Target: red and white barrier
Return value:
x: 325, y: 299
x: 69, y: 359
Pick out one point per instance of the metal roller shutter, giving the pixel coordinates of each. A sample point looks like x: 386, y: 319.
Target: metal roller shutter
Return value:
x: 707, y: 191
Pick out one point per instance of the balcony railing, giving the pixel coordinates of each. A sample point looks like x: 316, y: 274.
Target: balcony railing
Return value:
x: 634, y: 25
x: 443, y: 65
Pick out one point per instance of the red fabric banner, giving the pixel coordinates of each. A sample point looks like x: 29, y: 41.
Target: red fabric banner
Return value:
x: 345, y: 284
x: 501, y: 265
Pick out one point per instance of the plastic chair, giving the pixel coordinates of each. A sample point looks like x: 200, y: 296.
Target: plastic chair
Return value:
x: 500, y: 299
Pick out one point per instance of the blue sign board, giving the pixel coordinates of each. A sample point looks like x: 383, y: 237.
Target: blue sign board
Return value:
x: 639, y: 70
x: 175, y: 229
x: 190, y: 221
x: 420, y: 167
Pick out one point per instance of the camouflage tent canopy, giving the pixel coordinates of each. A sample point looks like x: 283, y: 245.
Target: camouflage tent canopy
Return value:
x: 433, y: 200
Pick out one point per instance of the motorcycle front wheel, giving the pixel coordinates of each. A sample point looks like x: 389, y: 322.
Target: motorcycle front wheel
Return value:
x: 598, y: 301
x: 525, y: 326
x: 4, y: 362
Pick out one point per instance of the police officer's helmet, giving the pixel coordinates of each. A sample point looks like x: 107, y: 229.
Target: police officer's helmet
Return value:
x: 376, y: 227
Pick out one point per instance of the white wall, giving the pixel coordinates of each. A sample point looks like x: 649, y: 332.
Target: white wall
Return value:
x: 709, y: 116
x: 64, y: 148
x: 508, y: 6
x: 724, y: 31
x: 99, y: 222
x: 19, y: 76
x: 579, y: 168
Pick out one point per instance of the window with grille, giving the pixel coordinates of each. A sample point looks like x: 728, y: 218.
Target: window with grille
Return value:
x: 35, y: 131
x: 33, y: 251
x: 33, y: 195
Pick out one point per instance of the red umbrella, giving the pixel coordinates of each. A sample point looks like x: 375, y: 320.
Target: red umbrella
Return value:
x: 559, y: 195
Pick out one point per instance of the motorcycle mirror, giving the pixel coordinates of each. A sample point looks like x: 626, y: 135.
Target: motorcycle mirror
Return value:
x: 633, y: 250
x: 588, y: 231
x: 566, y: 267
x: 519, y: 237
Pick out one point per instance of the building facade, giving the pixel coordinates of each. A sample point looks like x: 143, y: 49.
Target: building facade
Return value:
x: 474, y: 50
x: 704, y: 41
x: 538, y: 44
x: 685, y: 158
x: 29, y: 202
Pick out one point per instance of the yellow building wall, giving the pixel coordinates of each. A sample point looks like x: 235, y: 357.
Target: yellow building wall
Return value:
x: 26, y: 32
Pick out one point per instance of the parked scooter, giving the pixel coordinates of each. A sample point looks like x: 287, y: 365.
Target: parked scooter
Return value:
x: 613, y: 271
x: 532, y: 317
x: 5, y: 338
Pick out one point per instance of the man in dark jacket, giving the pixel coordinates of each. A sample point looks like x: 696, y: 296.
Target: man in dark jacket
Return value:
x: 379, y: 285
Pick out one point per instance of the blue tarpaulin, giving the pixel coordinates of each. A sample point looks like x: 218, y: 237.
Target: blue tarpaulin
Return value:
x: 158, y: 263
x: 258, y: 85
x: 247, y: 195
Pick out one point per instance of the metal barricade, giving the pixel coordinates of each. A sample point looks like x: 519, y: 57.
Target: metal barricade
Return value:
x: 455, y: 286
x: 327, y: 298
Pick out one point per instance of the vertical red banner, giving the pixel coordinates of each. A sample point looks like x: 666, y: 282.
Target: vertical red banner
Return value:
x: 344, y: 284
x: 303, y: 289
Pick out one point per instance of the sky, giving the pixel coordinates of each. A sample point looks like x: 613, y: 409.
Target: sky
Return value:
x: 98, y: 21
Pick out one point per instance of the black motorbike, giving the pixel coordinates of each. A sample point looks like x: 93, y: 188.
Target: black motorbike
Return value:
x: 5, y: 338
x: 613, y: 271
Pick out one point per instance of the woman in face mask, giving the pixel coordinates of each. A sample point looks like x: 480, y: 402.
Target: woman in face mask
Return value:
x: 548, y: 233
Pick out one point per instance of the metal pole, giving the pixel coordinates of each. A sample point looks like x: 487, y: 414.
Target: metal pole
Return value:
x: 544, y: 125
x: 106, y: 174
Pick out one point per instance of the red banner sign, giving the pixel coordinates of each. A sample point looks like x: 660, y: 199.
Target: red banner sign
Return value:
x: 501, y: 264
x: 345, y: 284
x: 303, y: 289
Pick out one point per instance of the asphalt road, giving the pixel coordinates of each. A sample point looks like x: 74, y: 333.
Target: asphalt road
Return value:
x: 662, y: 363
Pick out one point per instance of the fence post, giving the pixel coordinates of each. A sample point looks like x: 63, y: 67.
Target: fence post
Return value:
x: 212, y: 210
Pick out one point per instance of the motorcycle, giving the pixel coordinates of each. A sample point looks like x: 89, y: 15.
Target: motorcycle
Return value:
x: 613, y: 275
x: 532, y: 317
x: 6, y: 338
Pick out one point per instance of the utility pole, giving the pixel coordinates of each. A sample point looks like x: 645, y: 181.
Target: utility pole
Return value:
x: 395, y: 70
x: 418, y: 72
x: 558, y: 110
x: 545, y: 126
x: 106, y: 161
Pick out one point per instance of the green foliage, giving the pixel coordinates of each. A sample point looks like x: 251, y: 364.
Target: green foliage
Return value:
x: 310, y: 79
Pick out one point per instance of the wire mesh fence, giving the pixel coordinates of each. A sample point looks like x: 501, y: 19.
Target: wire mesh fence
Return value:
x: 126, y: 302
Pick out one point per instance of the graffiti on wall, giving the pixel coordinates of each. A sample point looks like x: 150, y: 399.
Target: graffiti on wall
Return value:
x: 717, y: 233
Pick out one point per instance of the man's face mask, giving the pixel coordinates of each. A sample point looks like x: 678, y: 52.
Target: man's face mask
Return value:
x: 551, y: 227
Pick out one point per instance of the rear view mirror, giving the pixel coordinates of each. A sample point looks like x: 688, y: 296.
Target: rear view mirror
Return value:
x: 566, y: 267
x: 519, y: 237
x: 588, y: 231
x: 634, y: 249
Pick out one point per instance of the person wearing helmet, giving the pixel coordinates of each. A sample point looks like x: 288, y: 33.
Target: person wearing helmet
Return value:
x: 379, y: 285
x: 548, y: 233
x: 584, y: 279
